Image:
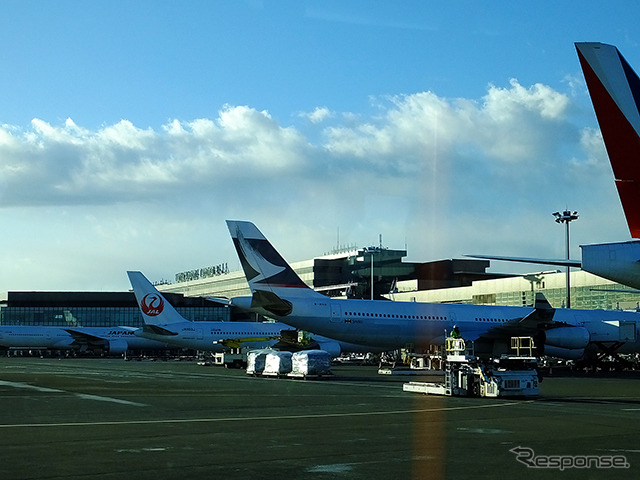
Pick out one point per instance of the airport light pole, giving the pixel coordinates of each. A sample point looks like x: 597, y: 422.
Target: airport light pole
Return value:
x: 371, y: 275
x: 567, y: 217
x: 368, y: 251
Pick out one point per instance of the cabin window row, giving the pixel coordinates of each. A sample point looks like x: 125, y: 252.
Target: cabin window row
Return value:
x: 242, y: 333
x: 390, y: 315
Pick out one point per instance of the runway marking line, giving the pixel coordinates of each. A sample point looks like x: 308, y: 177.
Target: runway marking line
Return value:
x: 254, y: 419
x: 84, y: 396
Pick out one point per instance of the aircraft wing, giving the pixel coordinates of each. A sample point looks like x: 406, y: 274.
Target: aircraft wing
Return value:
x: 540, y: 318
x: 615, y: 290
x: 237, y: 342
x: 543, y: 261
x: 84, y: 338
x: 526, y: 326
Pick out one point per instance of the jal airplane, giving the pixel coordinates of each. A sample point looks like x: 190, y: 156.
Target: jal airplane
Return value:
x: 111, y: 340
x: 164, y: 323
x: 279, y: 293
x: 614, y: 89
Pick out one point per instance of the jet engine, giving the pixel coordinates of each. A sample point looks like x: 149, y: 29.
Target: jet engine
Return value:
x: 117, y: 347
x: 565, y: 342
x: 333, y: 348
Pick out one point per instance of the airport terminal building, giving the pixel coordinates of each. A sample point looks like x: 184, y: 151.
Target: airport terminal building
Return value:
x: 372, y: 272
x: 349, y: 275
x: 95, y: 309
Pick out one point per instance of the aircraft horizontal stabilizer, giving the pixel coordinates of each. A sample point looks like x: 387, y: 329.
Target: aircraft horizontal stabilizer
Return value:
x: 157, y: 330
x: 271, y: 303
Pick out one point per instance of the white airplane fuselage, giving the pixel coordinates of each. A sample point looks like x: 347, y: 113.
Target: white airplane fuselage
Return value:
x: 113, y: 339
x: 619, y: 261
x: 212, y: 336
x: 396, y: 324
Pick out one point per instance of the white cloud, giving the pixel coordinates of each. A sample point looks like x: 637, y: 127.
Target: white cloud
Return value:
x: 462, y: 172
x: 126, y: 136
x: 504, y: 104
x: 509, y: 125
x: 593, y: 145
x: 319, y: 115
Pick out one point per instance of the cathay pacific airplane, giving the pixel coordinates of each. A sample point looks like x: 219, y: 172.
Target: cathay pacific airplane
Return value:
x: 111, y: 340
x: 279, y: 293
x: 615, y: 93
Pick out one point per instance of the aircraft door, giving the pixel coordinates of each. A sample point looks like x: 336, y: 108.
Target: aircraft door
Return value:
x: 336, y: 312
x: 627, y: 331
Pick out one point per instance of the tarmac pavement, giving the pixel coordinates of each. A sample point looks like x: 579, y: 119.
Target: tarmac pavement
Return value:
x: 111, y: 419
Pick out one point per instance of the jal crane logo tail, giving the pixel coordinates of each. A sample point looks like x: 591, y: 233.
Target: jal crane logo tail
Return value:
x: 152, y: 305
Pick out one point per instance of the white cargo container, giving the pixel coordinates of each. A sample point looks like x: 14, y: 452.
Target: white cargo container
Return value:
x: 310, y: 362
x: 277, y: 363
x: 256, y: 360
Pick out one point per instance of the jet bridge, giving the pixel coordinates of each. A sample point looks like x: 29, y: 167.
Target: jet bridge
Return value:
x: 466, y: 375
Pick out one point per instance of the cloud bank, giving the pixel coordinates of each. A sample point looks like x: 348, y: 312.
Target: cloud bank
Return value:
x: 49, y: 164
x: 444, y: 175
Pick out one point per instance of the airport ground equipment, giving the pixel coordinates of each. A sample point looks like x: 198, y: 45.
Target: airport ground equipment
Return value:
x: 415, y: 363
x: 304, y: 364
x: 467, y: 375
x: 232, y: 358
x: 235, y: 358
x: 277, y: 363
x: 310, y: 364
x: 256, y: 361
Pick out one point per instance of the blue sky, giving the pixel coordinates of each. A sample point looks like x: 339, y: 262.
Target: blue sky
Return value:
x: 129, y: 131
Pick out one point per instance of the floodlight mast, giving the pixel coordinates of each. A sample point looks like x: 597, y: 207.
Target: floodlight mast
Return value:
x: 567, y: 217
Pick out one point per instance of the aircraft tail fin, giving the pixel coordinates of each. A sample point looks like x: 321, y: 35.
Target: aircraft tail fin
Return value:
x: 270, y: 277
x: 615, y: 92
x: 155, y: 309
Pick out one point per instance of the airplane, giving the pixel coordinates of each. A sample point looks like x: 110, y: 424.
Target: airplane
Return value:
x: 279, y: 293
x: 111, y: 340
x: 614, y: 89
x: 164, y: 323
